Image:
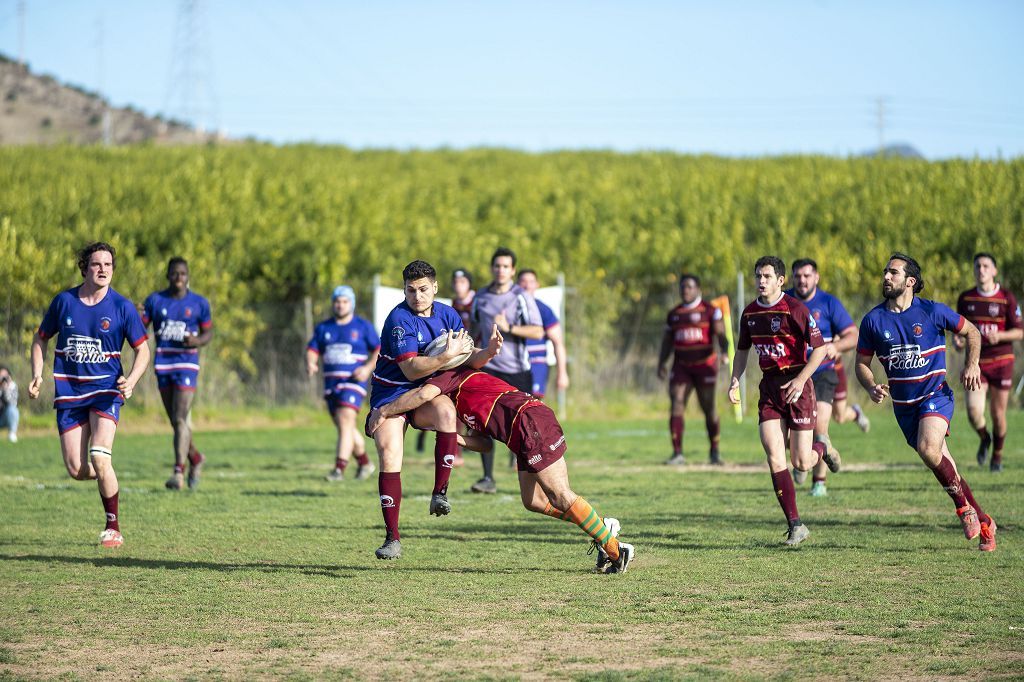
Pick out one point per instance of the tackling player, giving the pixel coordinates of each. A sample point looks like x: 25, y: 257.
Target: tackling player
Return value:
x: 401, y: 367
x: 182, y: 324
x: 908, y: 334
x: 349, y: 346
x: 838, y: 334
x: 538, y: 348
x: 691, y: 327
x: 996, y: 314
x: 530, y: 429
x: 782, y: 331
x: 91, y: 323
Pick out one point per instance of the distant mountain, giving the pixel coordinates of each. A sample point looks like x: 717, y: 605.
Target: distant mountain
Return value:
x: 896, y: 150
x: 38, y: 109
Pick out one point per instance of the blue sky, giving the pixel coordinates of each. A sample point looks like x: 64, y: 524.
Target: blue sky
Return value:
x: 734, y: 78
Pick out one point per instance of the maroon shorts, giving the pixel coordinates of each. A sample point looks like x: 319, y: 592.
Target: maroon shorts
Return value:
x: 841, y: 388
x: 537, y: 439
x: 1000, y: 376
x: 798, y: 416
x: 694, y: 375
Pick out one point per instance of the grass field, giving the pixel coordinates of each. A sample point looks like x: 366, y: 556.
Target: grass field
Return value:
x: 269, y: 571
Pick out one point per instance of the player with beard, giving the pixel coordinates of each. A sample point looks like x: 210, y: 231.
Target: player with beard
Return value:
x: 530, y: 429
x: 782, y: 331
x: 689, y: 331
x: 839, y: 334
x: 996, y: 314
x: 91, y: 323
x: 908, y: 334
x: 182, y: 324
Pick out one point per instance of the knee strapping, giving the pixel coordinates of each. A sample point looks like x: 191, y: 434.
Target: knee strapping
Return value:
x: 99, y: 451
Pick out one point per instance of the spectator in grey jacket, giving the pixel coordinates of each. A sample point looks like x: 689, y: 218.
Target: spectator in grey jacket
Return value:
x: 8, y: 404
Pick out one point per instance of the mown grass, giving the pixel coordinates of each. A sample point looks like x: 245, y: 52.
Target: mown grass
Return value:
x: 268, y: 570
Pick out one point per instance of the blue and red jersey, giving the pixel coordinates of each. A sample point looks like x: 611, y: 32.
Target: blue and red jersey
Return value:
x: 405, y: 335
x: 343, y: 348
x: 173, y: 319
x: 87, y: 357
x: 831, y: 318
x: 537, y: 349
x: 911, y: 346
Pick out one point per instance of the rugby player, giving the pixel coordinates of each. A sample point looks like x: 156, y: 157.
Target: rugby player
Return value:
x: 781, y: 330
x: 401, y: 367
x: 689, y: 331
x: 842, y: 411
x: 838, y: 334
x: 908, y: 334
x: 538, y: 348
x: 182, y: 324
x: 507, y: 305
x: 91, y: 323
x: 348, y: 345
x: 996, y: 314
x: 494, y: 407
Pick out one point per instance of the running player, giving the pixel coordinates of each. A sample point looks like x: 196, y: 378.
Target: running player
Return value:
x: 996, y: 314
x: 781, y: 330
x: 182, y: 325
x: 538, y: 348
x: 492, y: 406
x: 839, y: 334
x: 401, y: 367
x: 908, y: 334
x: 691, y: 327
x: 349, y: 346
x: 91, y: 323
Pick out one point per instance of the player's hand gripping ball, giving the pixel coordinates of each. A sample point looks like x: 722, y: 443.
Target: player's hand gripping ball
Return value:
x: 439, y: 345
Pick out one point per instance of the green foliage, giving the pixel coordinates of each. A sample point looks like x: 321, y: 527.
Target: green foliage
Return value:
x: 271, y: 225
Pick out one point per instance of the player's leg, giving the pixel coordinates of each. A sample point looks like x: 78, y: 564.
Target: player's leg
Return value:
x: 366, y: 467
x: 998, y: 400
x: 706, y: 398
x: 976, y: 416
x: 167, y: 400
x: 181, y: 405
x: 931, y: 447
x: 344, y: 419
x: 390, y: 441
x: 678, y: 393
x: 101, y: 445
x: 74, y: 447
x: 439, y: 414
x: 773, y: 440
x: 820, y: 471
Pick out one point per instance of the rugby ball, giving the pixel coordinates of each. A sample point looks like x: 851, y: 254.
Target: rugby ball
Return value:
x: 438, y: 345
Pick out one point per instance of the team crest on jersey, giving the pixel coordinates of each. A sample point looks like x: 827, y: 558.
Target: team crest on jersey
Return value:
x: 354, y: 335
x: 776, y: 324
x: 931, y: 406
x: 163, y: 311
x: 105, y: 324
x: 816, y: 314
x: 327, y: 336
x: 188, y: 312
x: 970, y: 308
x: 993, y: 309
x: 68, y: 322
x: 750, y: 323
x: 917, y: 329
x: 694, y: 317
x: 886, y: 334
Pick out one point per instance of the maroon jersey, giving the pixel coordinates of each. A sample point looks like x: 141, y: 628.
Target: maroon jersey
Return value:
x: 691, y: 329
x: 464, y: 308
x: 484, y: 402
x: 997, y: 311
x: 780, y: 333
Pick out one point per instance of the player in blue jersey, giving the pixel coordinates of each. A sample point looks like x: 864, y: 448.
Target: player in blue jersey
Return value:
x: 182, y: 324
x: 348, y: 345
x: 538, y: 348
x: 908, y: 334
x: 91, y: 323
x: 839, y: 334
x: 408, y: 330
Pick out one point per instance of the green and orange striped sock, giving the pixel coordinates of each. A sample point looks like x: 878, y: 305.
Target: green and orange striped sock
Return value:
x: 584, y: 516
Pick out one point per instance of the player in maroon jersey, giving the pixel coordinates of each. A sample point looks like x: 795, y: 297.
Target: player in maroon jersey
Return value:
x: 780, y: 328
x: 691, y: 327
x: 996, y: 314
x: 530, y: 429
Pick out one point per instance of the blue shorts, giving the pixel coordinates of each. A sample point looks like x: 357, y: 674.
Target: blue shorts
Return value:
x: 108, y: 407
x: 178, y: 379
x: 344, y: 394
x: 938, y: 405
x: 539, y: 371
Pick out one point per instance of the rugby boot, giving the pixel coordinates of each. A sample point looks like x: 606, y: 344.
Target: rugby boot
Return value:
x: 799, y: 476
x: 335, y: 475
x: 439, y: 505
x: 818, y: 489
x: 626, y: 554
x: 969, y: 520
x: 796, y: 534
x: 988, y: 535
x: 603, y: 560
x: 365, y: 471
x: 391, y: 549
x: 714, y: 458
x: 676, y: 460
x: 983, y: 450
x: 831, y: 457
x: 176, y: 481
x: 485, y: 485
x: 996, y: 465
x: 194, y: 469
x: 111, y: 538
x: 862, y: 419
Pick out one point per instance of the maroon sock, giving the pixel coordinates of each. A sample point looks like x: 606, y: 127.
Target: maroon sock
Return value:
x: 339, y: 463
x: 997, y: 447
x: 194, y: 456
x: 817, y: 479
x: 110, y: 507
x: 982, y: 516
x: 179, y: 468
x: 950, y: 481
x: 782, y: 481
x: 675, y: 426
x: 714, y: 427
x: 446, y: 446
x: 389, y: 485
x: 362, y: 459
x: 983, y: 433
x: 819, y: 447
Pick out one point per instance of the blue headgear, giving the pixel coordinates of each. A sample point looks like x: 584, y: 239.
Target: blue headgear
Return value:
x: 344, y: 291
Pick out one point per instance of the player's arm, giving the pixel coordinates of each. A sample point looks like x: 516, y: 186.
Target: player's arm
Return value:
x: 201, y: 339
x: 665, y: 353
x: 363, y: 371
x: 406, y: 402
x: 866, y: 377
x: 739, y: 366
x: 554, y: 332
x: 481, y: 356
x: 39, y: 344
x: 420, y: 366
x: 970, y: 377
x: 718, y: 331
x: 522, y: 331
x: 847, y: 340
x: 142, y: 356
x: 312, y: 361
